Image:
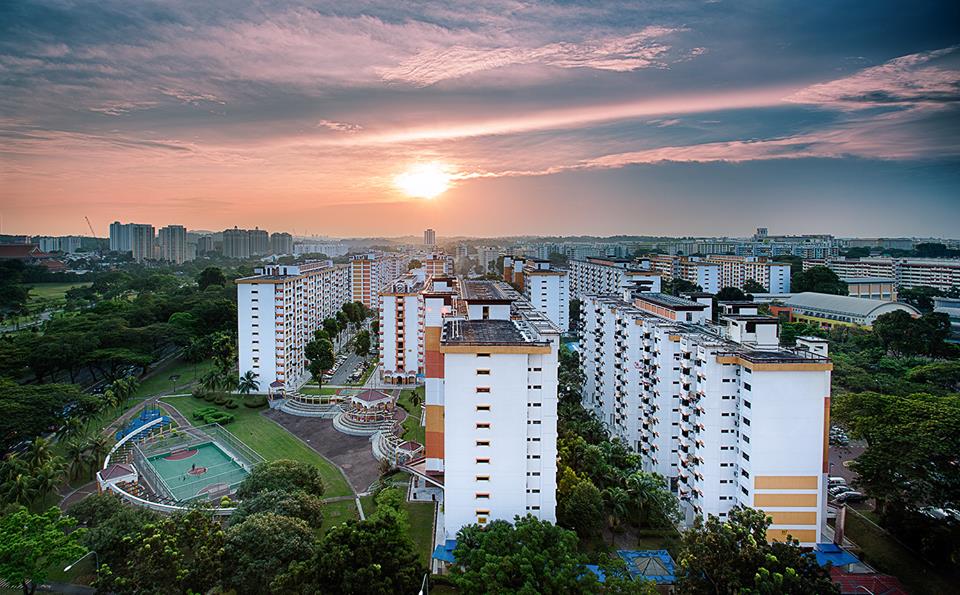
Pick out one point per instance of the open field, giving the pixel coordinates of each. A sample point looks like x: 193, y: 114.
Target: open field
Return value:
x: 270, y: 441
x: 52, y: 291
x: 159, y: 381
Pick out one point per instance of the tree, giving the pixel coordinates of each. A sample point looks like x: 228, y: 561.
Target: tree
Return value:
x: 331, y: 327
x: 321, y: 357
x: 581, y: 509
x: 946, y: 375
x: 616, y: 502
x: 248, y: 383
x: 297, y: 504
x: 818, y: 279
x: 109, y: 521
x: 176, y: 554
x: 921, y: 297
x: 371, y: 556
x: 375, y: 327
x: 28, y: 411
x: 730, y: 294
x: 752, y: 286
x: 32, y: 544
x: 260, y: 548
x: 902, y: 334
x: 651, y: 502
x: 574, y: 314
x: 47, y: 479
x: 414, y: 264
x: 211, y: 276
x: 677, y: 286
x: 281, y: 475
x: 341, y: 323
x: 726, y: 557
x: 912, y: 443
x: 361, y: 344
x: 529, y: 556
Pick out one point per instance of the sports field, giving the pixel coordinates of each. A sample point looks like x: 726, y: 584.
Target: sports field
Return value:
x: 201, y: 469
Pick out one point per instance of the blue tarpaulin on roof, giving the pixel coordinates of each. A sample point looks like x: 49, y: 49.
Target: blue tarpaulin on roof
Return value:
x: 444, y: 552
x: 834, y: 554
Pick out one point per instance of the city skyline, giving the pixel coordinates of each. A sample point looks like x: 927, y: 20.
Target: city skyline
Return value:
x: 693, y: 119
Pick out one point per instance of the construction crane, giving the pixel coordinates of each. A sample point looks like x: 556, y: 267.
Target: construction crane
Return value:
x: 94, y: 234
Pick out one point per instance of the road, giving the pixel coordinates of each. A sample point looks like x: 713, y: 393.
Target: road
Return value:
x: 346, y: 368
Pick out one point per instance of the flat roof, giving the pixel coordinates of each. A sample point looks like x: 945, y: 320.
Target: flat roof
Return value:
x: 670, y: 301
x: 484, y: 291
x: 483, y: 332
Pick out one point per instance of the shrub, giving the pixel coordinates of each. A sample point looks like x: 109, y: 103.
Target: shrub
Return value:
x: 203, y: 412
x: 255, y: 401
x: 219, y: 417
x: 231, y: 404
x: 220, y: 400
x: 209, y: 396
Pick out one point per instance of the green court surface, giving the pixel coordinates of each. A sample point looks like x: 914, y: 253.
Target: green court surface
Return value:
x: 198, y: 470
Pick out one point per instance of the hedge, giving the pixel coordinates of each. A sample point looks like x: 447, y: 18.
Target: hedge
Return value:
x: 255, y: 401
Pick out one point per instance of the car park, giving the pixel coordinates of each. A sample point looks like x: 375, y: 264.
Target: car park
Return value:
x: 837, y: 490
x: 834, y: 481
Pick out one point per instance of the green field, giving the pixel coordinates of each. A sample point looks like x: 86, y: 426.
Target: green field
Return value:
x: 412, y: 430
x: 52, y: 291
x: 335, y: 513
x: 270, y: 441
x: 159, y: 381
x: 318, y: 391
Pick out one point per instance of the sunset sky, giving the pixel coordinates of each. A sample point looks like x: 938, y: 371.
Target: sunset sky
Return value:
x: 664, y: 118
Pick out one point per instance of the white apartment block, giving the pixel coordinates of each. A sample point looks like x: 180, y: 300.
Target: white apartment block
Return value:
x: 173, y: 243
x: 548, y: 290
x: 66, y: 244
x: 136, y: 238
x: 716, y: 271
x: 609, y: 275
x: 490, y: 367
x: 720, y: 410
x: 941, y: 273
x: 278, y: 310
x: 401, y: 329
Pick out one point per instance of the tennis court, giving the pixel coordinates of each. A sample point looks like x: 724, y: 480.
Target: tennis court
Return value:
x: 202, y: 469
x: 205, y: 461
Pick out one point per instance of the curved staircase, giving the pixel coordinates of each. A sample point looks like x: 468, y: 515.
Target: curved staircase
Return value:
x: 304, y: 409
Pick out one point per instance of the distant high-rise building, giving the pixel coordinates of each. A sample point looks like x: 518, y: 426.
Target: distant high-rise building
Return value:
x: 259, y: 242
x: 120, y: 237
x: 173, y: 243
x: 142, y: 241
x: 67, y: 244
x: 281, y: 243
x: 204, y: 244
x: 430, y: 238
x: 236, y: 243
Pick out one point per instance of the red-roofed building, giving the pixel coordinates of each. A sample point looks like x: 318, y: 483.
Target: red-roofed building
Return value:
x: 866, y: 582
x: 24, y: 252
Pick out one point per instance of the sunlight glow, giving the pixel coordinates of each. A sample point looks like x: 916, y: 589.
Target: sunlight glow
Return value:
x: 424, y: 180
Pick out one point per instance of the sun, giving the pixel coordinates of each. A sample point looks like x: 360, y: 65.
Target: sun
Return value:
x: 424, y: 180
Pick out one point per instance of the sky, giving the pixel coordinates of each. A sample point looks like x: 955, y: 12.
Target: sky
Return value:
x: 554, y: 118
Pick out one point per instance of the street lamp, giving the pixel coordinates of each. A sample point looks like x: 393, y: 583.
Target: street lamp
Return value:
x: 96, y: 557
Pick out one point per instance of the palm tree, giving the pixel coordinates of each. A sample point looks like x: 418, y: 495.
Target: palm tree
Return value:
x: 99, y: 446
x: 47, y: 479
x: 248, y: 383
x: 77, y: 456
x: 19, y: 489
x: 616, y: 503
x: 40, y: 453
x: 646, y: 493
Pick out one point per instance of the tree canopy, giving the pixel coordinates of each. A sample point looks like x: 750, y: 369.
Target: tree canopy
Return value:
x: 818, y: 279
x: 281, y: 475
x: 32, y: 544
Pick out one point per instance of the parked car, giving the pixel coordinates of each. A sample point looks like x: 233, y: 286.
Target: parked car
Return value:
x: 837, y: 490
x: 851, y: 496
x: 836, y: 480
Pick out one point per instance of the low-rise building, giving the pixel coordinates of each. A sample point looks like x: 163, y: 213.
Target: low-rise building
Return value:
x: 829, y: 310
x: 874, y: 288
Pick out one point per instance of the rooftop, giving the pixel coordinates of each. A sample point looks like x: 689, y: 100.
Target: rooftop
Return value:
x: 845, y: 304
x: 484, y: 291
x: 670, y: 301
x: 483, y: 332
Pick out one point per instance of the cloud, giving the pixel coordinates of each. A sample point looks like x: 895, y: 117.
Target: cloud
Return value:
x: 904, y: 81
x: 339, y: 126
x: 623, y: 53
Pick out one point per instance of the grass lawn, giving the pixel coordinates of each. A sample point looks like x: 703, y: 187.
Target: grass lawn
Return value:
x: 52, y: 291
x: 159, y: 381
x: 886, y: 555
x: 335, y: 513
x: 412, y: 430
x: 270, y: 441
x: 319, y: 391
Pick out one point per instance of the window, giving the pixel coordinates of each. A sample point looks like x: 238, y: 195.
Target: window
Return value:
x: 483, y: 478
x: 483, y: 426
x: 483, y: 389
x: 483, y: 443
x: 481, y: 496
x: 746, y: 386
x: 483, y: 372
x: 483, y: 355
x: 483, y: 461
x: 746, y: 421
x: 533, y: 440
x: 483, y: 407
x: 747, y: 404
x: 746, y: 457
x: 533, y: 491
x: 535, y: 422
